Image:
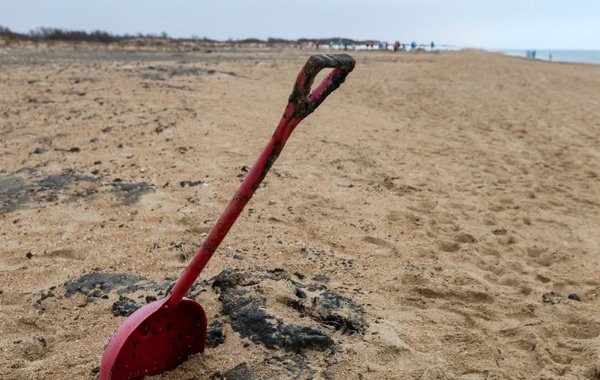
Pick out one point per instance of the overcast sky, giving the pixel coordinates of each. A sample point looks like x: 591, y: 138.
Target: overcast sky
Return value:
x: 525, y: 24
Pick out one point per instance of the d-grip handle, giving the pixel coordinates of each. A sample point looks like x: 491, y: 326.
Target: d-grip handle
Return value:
x: 306, y: 102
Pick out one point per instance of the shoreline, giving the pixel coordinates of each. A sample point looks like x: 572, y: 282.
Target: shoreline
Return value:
x: 557, y: 55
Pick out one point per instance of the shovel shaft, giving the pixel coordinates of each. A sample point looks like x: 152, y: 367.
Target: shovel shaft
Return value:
x: 302, y: 102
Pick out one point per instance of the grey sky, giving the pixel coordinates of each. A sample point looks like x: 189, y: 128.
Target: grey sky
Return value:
x: 567, y: 24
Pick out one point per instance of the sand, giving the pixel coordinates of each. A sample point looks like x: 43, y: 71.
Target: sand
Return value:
x: 454, y: 196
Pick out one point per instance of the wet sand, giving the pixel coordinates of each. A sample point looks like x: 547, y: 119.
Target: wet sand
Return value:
x: 451, y: 201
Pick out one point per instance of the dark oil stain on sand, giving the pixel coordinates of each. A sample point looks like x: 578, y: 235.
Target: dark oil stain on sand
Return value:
x: 28, y: 186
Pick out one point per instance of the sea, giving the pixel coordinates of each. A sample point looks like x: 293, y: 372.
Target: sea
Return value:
x: 580, y: 56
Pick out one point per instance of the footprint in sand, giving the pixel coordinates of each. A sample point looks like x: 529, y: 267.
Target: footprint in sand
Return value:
x: 64, y: 253
x: 34, y: 348
x: 464, y: 237
x: 383, y: 247
x: 454, y: 245
x: 465, y: 295
x: 448, y: 246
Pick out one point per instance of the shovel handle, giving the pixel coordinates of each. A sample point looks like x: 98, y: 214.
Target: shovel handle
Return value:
x: 306, y: 102
x: 302, y: 103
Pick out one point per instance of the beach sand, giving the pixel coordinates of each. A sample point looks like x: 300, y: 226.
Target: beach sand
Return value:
x: 452, y: 199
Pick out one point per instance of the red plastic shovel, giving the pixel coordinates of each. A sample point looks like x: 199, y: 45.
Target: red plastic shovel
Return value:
x: 162, y: 334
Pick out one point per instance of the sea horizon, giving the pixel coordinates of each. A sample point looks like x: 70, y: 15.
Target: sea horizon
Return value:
x: 556, y: 55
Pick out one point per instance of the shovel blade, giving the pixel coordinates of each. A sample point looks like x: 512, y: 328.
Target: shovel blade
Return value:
x: 153, y: 340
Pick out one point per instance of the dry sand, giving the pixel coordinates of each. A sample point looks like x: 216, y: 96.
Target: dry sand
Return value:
x: 455, y: 196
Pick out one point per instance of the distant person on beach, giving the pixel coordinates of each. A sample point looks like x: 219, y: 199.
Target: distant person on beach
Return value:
x: 432, y: 45
x: 413, y: 45
x: 550, y: 56
x: 317, y: 43
x: 396, y: 45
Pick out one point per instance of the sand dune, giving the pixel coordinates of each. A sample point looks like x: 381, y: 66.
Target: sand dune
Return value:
x: 454, y: 197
